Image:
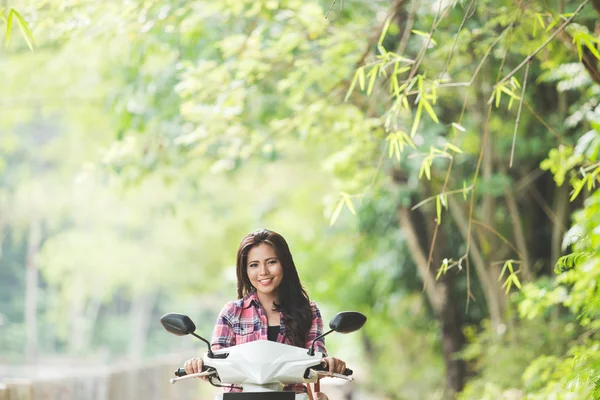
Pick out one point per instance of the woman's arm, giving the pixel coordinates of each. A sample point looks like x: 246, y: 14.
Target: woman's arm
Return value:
x: 223, y: 335
x: 316, y: 330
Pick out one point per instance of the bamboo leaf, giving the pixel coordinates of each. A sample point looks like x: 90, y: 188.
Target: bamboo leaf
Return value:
x: 348, y: 202
x: 577, y: 189
x: 459, y: 127
x: 503, y: 270
x: 361, y: 78
x: 541, y: 20
x: 577, y: 40
x: 510, y: 266
x: 508, y: 284
x: 9, y: 23
x: 391, y: 140
x: 438, y: 209
x: 498, y: 94
x: 373, y: 75
x: 515, y: 82
x: 453, y: 148
x: 336, y: 213
x: 384, y: 31
x: 24, y: 27
x: 590, y: 182
x: 516, y: 281
x: 352, y: 85
x: 508, y: 92
x: 429, y: 110
x: 464, y: 190
x: 592, y: 48
x: 417, y: 119
x: 407, y: 139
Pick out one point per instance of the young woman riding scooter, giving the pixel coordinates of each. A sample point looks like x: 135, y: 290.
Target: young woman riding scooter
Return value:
x: 272, y: 304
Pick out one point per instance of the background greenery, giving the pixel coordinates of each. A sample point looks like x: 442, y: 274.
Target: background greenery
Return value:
x: 432, y: 164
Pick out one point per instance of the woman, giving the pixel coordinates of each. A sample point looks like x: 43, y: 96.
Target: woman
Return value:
x: 271, y: 305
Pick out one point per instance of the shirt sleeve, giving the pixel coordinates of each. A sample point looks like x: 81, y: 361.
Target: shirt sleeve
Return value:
x: 223, y: 335
x: 316, y: 330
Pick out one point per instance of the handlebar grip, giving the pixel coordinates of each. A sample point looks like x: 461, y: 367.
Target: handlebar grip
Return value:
x: 320, y: 367
x: 181, y: 371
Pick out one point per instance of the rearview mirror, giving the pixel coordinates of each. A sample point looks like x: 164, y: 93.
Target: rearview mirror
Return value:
x: 347, y: 322
x: 178, y: 324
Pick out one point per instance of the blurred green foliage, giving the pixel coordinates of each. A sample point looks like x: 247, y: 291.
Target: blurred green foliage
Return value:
x: 143, y: 139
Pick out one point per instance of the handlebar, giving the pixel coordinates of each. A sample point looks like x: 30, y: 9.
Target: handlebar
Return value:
x: 320, y: 367
x: 181, y: 371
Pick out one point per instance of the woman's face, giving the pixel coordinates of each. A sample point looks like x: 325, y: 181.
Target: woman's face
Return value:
x: 264, y: 269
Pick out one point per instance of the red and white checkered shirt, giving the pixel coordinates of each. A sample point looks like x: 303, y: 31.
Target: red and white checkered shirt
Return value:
x: 245, y: 320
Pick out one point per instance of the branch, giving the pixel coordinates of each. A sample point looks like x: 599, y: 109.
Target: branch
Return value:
x: 434, y: 290
x: 490, y: 292
x: 512, y: 151
x: 456, y: 38
x: 541, y: 47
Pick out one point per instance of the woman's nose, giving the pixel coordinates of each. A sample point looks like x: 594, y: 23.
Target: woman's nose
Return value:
x: 262, y: 269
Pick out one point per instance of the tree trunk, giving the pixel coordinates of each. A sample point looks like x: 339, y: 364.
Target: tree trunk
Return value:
x: 31, y: 292
x: 518, y: 233
x: 441, y: 297
x: 141, y: 311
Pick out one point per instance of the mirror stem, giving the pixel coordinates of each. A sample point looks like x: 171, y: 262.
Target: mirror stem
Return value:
x: 311, y: 351
x: 210, y: 353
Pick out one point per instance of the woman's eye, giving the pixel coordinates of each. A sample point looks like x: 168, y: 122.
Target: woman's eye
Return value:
x: 253, y: 265
x: 272, y: 262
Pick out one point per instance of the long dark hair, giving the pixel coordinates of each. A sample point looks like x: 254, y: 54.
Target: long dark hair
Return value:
x: 293, y: 299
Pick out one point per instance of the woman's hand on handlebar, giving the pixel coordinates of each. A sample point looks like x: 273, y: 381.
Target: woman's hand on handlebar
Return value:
x: 335, y: 365
x: 193, y: 366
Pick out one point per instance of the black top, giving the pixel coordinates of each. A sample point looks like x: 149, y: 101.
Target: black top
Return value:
x: 272, y: 333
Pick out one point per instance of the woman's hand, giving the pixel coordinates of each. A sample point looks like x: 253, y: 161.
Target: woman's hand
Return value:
x: 193, y: 366
x: 321, y: 396
x: 335, y: 365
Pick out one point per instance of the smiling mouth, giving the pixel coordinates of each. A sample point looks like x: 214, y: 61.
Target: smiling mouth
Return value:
x: 265, y: 281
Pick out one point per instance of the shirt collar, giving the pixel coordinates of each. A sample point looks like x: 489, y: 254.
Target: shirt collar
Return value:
x: 251, y: 298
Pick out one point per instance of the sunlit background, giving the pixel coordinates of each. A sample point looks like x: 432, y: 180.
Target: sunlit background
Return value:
x: 141, y: 140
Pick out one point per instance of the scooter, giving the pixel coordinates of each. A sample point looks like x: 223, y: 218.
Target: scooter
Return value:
x: 260, y: 369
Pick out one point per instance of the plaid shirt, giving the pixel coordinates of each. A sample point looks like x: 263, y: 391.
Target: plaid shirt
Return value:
x: 245, y: 320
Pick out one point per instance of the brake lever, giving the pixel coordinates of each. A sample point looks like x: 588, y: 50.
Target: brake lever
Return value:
x: 197, y: 375
x: 331, y: 375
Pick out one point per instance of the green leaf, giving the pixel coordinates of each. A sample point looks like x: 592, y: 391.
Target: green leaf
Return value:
x: 417, y: 119
x: 407, y: 139
x: 577, y: 186
x: 429, y: 110
x: 9, y: 23
x: 465, y: 190
x: 348, y: 202
x: 504, y: 267
x: 459, y: 127
x: 361, y: 77
x: 592, y: 48
x: 453, y: 148
x: 337, y: 212
x: 353, y: 84
x: 541, y: 20
x: 373, y: 76
x: 516, y: 281
x: 384, y: 31
x: 24, y: 27
x: 443, y: 199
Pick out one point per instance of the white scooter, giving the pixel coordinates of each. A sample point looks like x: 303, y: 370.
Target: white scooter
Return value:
x: 260, y: 369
